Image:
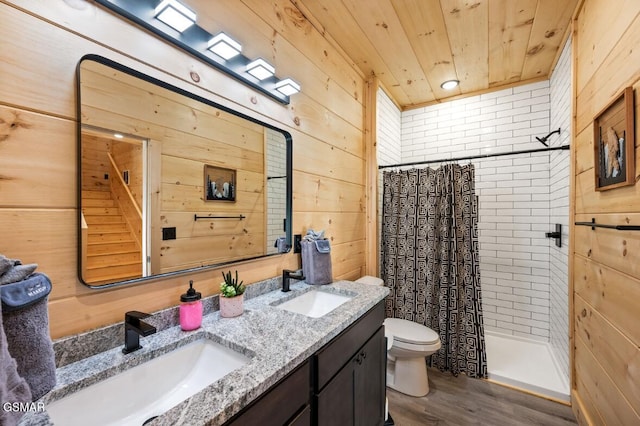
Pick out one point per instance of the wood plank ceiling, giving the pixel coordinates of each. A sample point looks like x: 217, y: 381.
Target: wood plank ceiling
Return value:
x: 413, y: 46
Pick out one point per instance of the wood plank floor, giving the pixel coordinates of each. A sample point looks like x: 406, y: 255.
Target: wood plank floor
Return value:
x: 462, y: 401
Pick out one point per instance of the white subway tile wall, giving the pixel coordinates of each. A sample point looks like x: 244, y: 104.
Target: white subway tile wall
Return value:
x: 276, y: 187
x: 513, y: 193
x: 559, y: 205
x: 519, y: 196
x: 389, y: 126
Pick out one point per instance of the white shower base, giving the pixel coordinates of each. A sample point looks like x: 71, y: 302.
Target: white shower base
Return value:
x: 526, y: 364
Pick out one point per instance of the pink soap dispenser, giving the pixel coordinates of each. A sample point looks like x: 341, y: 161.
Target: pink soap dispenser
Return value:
x: 190, y: 309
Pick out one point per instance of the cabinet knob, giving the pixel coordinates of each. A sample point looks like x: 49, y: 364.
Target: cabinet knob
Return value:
x: 361, y: 356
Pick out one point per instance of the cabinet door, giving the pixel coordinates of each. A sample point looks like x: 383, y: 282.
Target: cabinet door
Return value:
x: 280, y: 403
x: 302, y: 419
x: 335, y: 402
x: 370, y: 381
x: 337, y: 353
x: 355, y: 396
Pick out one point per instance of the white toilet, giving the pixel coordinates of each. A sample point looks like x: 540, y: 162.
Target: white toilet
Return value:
x: 411, y: 343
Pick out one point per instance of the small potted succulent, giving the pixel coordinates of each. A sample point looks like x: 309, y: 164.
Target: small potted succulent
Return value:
x: 231, y: 296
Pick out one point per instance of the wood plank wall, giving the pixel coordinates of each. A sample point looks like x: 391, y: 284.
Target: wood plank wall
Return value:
x: 96, y: 163
x: 606, y: 271
x: 43, y: 41
x: 187, y: 135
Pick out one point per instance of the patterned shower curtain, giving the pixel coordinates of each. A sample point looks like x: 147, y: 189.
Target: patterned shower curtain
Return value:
x: 430, y: 260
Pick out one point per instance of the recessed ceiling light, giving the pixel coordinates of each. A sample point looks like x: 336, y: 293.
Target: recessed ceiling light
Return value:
x: 450, y: 84
x: 260, y: 69
x: 287, y: 87
x: 224, y: 46
x: 175, y: 14
x: 118, y: 135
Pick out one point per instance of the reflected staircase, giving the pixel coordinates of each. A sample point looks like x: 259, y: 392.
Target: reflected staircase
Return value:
x: 112, y: 251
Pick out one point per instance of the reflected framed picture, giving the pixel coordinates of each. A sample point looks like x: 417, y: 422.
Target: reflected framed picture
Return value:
x: 614, y: 143
x: 219, y: 184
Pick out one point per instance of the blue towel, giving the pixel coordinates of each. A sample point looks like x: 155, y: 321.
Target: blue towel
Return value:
x: 12, y: 270
x: 316, y: 261
x: 26, y: 324
x: 13, y: 388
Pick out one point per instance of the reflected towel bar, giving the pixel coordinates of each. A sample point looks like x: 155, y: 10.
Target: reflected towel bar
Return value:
x: 240, y: 217
x: 595, y: 225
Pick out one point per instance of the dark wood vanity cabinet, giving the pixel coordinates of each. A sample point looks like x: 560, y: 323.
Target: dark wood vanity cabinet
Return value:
x: 355, y: 396
x: 370, y: 381
x: 341, y: 384
x: 349, y: 387
x: 286, y: 403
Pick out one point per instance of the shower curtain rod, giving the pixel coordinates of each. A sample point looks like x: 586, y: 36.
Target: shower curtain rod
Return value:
x: 472, y: 157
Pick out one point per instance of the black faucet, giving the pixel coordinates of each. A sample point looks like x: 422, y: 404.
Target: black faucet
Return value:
x: 287, y: 274
x: 133, y: 329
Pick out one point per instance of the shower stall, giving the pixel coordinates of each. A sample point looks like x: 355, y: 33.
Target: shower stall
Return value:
x: 523, y: 193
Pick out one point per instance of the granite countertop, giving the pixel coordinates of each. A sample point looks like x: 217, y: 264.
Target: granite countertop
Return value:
x: 275, y: 341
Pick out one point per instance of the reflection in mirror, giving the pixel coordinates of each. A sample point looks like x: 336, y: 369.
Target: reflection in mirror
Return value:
x: 170, y: 181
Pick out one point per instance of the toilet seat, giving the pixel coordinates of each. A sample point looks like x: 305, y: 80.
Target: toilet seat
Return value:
x: 411, y: 336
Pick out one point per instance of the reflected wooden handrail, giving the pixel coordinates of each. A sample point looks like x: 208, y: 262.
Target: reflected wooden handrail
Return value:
x: 129, y: 203
x: 118, y: 173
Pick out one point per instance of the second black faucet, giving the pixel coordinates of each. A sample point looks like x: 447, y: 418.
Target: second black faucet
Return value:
x: 287, y: 274
x: 133, y: 329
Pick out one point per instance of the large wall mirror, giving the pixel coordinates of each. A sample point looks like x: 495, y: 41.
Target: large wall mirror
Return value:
x: 171, y: 182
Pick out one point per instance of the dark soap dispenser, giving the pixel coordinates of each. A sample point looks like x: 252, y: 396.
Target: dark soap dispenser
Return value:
x: 190, y: 309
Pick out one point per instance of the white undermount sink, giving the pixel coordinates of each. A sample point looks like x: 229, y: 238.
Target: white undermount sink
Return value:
x: 314, y: 303
x: 149, y: 389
